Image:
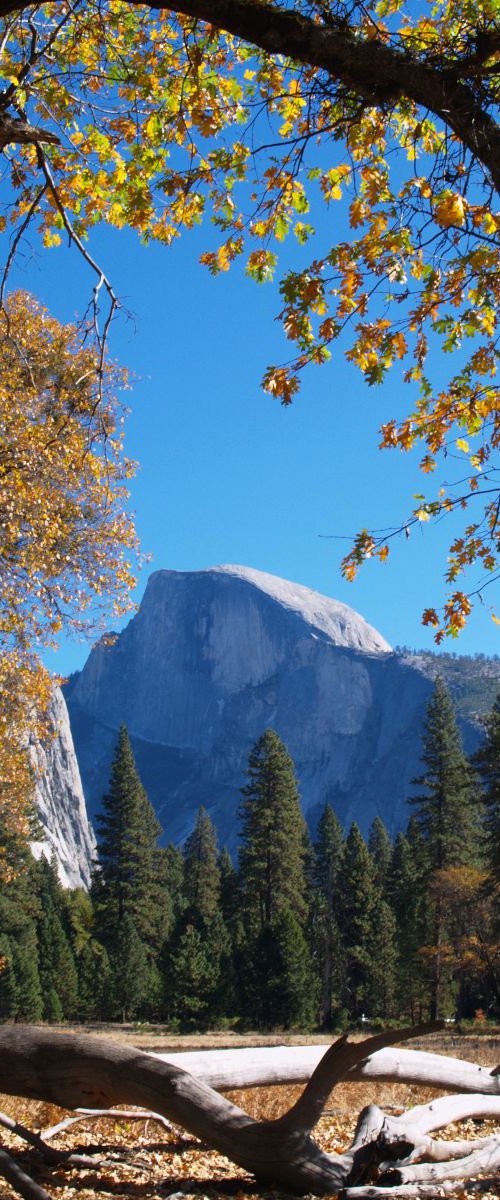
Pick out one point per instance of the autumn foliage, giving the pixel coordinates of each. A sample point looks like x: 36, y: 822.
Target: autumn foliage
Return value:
x: 67, y: 542
x: 257, y: 117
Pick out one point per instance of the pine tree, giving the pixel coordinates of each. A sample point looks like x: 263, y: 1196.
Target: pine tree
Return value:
x: 130, y: 973
x: 448, y: 814
x: 281, y: 987
x: 171, y: 872
x: 57, y: 968
x: 202, y: 885
x: 228, y: 993
x: 487, y: 762
x: 191, y: 976
x: 272, y: 829
x: 18, y: 911
x: 126, y: 881
x: 383, y: 966
x: 447, y: 811
x: 272, y: 876
x: 380, y: 847
x: 8, y: 990
x: 408, y: 900
x: 29, y: 999
x: 58, y: 975
x: 205, y: 960
x: 230, y: 897
x: 94, y: 982
x: 325, y: 932
x: 358, y: 900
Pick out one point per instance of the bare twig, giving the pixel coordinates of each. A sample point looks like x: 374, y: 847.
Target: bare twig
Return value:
x: 22, y: 1183
x: 95, y: 1114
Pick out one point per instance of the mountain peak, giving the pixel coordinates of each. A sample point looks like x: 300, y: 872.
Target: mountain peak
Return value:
x: 339, y: 623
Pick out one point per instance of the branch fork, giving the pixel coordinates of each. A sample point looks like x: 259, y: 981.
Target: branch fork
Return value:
x: 389, y: 1156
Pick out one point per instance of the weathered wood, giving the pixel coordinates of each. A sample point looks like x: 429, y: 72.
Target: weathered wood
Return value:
x: 19, y: 1180
x: 475, y: 1163
x: 74, y: 1070
x: 37, y: 1142
x: 81, y: 1071
x: 263, y: 1066
x: 103, y: 1114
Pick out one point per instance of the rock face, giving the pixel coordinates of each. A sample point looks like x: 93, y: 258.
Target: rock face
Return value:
x: 60, y: 801
x: 211, y: 660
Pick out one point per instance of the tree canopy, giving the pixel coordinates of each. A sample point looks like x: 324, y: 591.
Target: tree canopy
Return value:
x: 67, y: 544
x: 254, y: 114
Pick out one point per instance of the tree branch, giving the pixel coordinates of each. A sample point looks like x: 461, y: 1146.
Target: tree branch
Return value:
x: 373, y: 69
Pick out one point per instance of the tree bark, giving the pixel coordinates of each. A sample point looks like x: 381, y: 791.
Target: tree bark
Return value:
x: 81, y: 1071
x: 73, y: 1070
x: 263, y: 1066
x: 375, y: 70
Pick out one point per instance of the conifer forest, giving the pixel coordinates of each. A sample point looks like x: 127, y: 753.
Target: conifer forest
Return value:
x: 301, y: 931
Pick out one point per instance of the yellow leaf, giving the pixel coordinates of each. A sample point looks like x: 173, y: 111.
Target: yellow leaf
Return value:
x: 450, y: 209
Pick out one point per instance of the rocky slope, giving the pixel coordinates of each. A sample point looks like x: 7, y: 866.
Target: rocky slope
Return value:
x: 214, y: 657
x: 66, y: 832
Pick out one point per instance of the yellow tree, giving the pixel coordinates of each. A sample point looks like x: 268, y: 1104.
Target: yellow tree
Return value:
x: 67, y: 543
x: 254, y: 113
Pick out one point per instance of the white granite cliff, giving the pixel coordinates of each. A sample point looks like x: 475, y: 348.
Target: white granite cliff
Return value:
x: 214, y: 657
x: 68, y: 836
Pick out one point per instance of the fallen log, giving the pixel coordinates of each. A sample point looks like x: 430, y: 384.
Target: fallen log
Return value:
x: 79, y: 1071
x: 265, y: 1066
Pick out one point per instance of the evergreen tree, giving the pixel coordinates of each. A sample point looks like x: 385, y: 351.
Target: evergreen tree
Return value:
x: 272, y: 878
x: 228, y: 996
x: 19, y: 909
x: 130, y: 971
x: 380, y: 847
x: 94, y: 982
x: 487, y: 762
x: 57, y: 968
x: 382, y: 973
x: 325, y: 933
x: 448, y: 810
x: 58, y: 975
x: 204, y: 960
x: 126, y: 881
x: 272, y: 828
x: 8, y: 990
x: 448, y: 815
x: 201, y: 870
x: 29, y: 1000
x: 230, y: 898
x: 281, y: 989
x: 358, y: 900
x: 191, y: 975
x: 171, y: 872
x: 408, y: 902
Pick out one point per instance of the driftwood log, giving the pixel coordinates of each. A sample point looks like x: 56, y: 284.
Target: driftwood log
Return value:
x: 263, y: 1066
x: 397, y: 1153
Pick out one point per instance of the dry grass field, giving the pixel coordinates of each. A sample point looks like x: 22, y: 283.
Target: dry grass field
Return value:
x: 143, y: 1161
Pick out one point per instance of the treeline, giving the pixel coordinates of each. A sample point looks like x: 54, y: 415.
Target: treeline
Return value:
x: 297, y: 933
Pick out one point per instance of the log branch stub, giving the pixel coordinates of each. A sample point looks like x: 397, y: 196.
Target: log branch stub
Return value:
x: 335, y: 1065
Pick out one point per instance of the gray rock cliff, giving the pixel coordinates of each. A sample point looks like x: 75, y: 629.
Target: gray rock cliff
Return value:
x: 214, y: 657
x: 67, y: 834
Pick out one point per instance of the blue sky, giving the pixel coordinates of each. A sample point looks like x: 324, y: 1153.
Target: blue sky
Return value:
x: 226, y: 474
